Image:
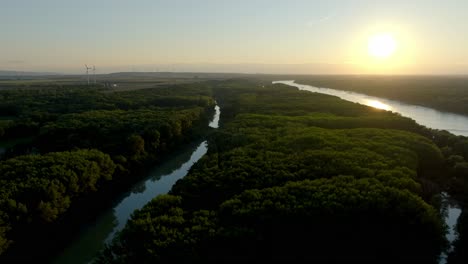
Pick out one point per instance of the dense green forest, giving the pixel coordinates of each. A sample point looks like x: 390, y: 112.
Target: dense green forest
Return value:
x: 286, y: 166
x: 446, y: 93
x: 293, y: 175
x: 69, y: 147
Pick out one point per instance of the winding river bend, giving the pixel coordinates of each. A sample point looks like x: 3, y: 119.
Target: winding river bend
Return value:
x: 93, y: 237
x: 454, y: 123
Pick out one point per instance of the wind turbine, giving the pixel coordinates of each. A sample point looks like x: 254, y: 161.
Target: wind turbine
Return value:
x: 94, y: 74
x: 87, y: 72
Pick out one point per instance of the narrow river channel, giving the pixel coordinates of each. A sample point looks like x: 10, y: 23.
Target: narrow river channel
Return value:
x: 160, y: 180
x: 454, y: 123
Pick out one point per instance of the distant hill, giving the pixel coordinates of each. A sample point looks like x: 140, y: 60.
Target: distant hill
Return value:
x: 176, y: 74
x: 26, y: 73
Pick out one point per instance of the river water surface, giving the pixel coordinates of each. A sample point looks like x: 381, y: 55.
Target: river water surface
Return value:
x: 93, y: 237
x: 451, y: 211
x: 454, y: 123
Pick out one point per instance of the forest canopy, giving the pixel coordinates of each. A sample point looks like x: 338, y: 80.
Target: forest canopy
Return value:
x: 64, y: 144
x: 293, y: 175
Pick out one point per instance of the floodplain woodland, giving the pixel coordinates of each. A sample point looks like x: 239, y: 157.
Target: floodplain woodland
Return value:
x: 289, y: 175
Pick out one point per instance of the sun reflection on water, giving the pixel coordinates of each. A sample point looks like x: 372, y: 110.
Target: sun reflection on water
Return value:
x: 378, y: 104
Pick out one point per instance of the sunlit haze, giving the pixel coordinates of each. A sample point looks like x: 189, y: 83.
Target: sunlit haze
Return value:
x: 255, y: 36
x: 382, y: 45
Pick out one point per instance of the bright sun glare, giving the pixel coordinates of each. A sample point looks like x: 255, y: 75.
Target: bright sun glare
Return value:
x: 381, y: 45
x: 378, y: 104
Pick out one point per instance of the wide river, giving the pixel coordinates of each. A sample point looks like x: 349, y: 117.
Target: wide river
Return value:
x: 454, y: 123
x: 93, y: 237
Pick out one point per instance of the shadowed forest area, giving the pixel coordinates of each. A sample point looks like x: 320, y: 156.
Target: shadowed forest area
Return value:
x: 293, y: 175
x: 286, y: 166
x: 68, y: 150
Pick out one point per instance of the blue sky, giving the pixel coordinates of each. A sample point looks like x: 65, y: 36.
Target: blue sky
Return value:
x: 302, y: 36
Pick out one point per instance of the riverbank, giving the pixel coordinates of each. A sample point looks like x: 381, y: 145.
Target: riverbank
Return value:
x: 84, y: 212
x: 85, y: 208
x: 454, y: 123
x: 93, y: 236
x: 443, y: 93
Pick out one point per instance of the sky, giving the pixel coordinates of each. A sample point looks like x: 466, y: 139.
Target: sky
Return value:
x: 248, y: 36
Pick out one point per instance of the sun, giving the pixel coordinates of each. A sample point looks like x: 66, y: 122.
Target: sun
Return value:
x: 381, y: 46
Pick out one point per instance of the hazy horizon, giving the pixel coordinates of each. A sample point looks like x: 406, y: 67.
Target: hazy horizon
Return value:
x: 284, y: 37
x: 247, y: 68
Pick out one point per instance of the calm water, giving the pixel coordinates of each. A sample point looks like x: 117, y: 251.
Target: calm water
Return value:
x: 454, y: 123
x: 451, y: 211
x: 93, y: 237
x: 215, y: 122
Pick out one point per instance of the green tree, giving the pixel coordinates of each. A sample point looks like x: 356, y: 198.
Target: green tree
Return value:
x: 136, y: 145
